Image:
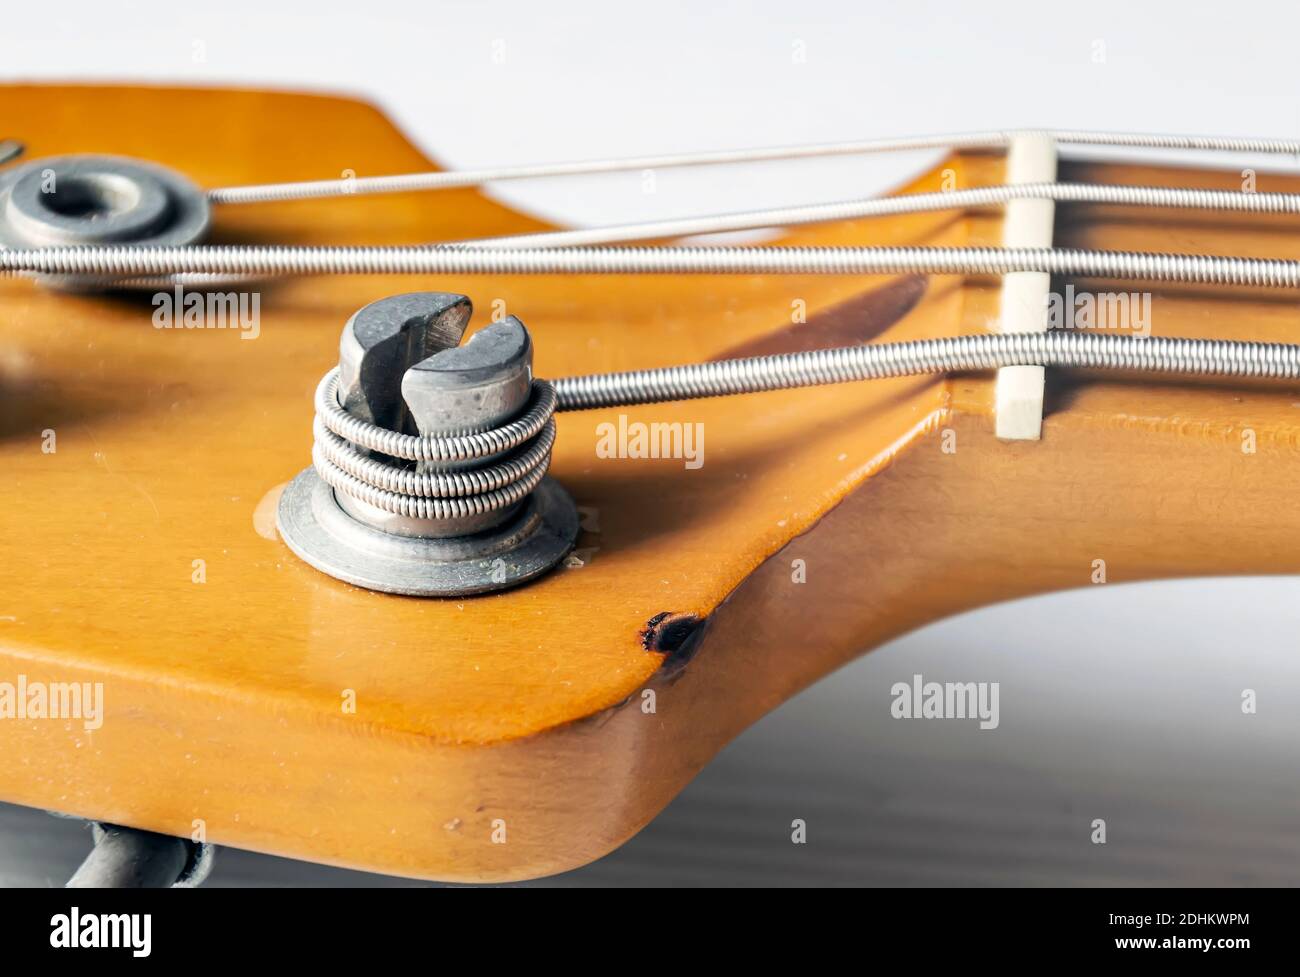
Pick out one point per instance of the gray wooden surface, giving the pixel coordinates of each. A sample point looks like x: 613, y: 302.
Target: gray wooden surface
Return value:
x: 1120, y: 703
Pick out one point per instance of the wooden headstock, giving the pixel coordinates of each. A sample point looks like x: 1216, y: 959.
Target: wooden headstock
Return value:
x: 523, y: 733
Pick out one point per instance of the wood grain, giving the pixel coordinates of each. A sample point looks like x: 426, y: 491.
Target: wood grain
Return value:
x: 525, y: 710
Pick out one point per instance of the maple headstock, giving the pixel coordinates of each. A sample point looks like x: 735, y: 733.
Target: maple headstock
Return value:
x: 526, y: 732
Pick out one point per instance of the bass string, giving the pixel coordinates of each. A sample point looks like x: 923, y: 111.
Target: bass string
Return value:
x: 1077, y: 350
x: 911, y: 203
x: 111, y: 263
x: 995, y: 139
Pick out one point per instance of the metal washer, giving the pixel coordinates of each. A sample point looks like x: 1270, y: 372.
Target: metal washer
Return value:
x: 533, y: 541
x: 67, y: 201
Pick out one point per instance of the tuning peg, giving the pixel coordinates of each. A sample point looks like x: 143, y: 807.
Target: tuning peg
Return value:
x: 429, y: 468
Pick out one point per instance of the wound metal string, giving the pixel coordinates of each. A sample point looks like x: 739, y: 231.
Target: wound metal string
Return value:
x: 116, y: 262
x: 844, y: 364
x: 997, y: 139
x: 911, y: 203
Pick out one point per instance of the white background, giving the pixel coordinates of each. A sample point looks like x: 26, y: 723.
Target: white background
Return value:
x: 1118, y: 702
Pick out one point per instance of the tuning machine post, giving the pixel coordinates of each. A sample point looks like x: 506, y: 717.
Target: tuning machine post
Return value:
x: 430, y: 457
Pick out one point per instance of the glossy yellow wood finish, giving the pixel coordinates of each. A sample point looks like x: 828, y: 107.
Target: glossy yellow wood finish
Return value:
x: 509, y: 736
